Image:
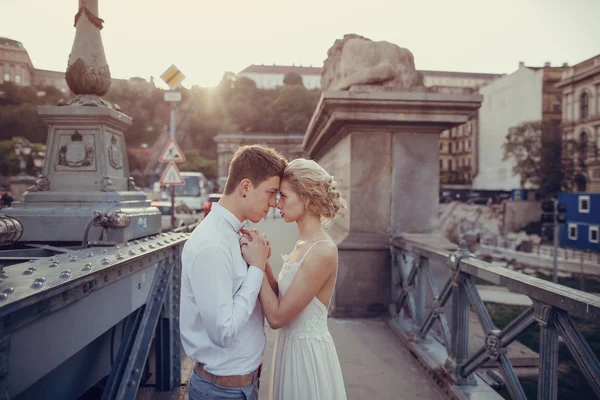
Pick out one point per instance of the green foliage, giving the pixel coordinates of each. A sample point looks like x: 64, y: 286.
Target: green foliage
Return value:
x: 195, y: 163
x: 9, y: 161
x: 292, y: 79
x: 542, y: 157
x: 235, y: 105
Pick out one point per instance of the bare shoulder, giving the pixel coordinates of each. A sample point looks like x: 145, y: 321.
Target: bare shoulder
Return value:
x: 323, y: 256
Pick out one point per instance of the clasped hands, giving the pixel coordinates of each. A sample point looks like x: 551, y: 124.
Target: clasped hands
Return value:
x: 255, y: 247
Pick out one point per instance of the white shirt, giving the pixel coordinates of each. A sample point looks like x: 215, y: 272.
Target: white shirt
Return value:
x: 221, y: 321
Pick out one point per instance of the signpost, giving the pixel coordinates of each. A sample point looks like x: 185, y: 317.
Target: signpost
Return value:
x: 554, y: 213
x: 172, y: 152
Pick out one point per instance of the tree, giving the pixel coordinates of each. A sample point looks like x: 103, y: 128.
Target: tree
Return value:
x: 9, y: 161
x: 293, y: 108
x: 195, y: 163
x: 291, y: 79
x: 542, y: 157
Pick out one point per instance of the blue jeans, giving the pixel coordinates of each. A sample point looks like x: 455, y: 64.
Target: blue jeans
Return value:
x: 201, y: 388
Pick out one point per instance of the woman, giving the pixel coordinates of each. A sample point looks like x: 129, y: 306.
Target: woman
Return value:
x: 305, y: 365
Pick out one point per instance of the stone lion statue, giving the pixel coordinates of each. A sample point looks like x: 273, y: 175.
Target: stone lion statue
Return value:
x: 356, y: 63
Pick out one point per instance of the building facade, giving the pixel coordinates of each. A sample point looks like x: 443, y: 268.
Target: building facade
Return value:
x: 580, y: 90
x: 526, y: 95
x: 582, y: 229
x: 271, y: 76
x: 15, y: 64
x: 16, y: 67
x: 289, y: 145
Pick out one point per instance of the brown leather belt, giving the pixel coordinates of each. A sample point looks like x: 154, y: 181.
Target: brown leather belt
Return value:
x: 229, y: 380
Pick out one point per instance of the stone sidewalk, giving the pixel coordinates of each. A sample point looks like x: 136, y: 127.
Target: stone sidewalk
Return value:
x: 374, y: 363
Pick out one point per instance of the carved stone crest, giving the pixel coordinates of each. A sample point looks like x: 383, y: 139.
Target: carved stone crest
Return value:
x: 76, y: 152
x: 115, y: 156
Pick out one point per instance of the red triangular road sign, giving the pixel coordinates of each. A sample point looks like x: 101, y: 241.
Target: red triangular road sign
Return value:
x: 172, y: 152
x: 171, y: 176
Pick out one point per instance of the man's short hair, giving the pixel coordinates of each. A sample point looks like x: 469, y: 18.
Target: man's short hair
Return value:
x: 256, y: 163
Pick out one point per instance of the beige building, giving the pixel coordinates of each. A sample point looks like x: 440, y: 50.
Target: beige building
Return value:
x: 580, y: 86
x: 459, y: 145
x: 15, y: 64
x: 289, y: 145
x: 271, y: 76
x: 16, y: 67
x: 528, y: 94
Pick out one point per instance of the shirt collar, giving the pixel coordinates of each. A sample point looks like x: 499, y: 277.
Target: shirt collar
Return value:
x: 228, y: 215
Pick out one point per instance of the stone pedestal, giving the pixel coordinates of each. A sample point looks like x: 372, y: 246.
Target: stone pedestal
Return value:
x: 19, y: 185
x: 383, y: 148
x: 86, y: 171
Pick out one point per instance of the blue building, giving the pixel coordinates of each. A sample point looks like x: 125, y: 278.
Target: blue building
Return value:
x: 582, y: 230
x: 525, y: 194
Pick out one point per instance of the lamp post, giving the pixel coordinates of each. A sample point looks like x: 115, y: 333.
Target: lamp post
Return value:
x: 23, y: 150
x: 38, y: 161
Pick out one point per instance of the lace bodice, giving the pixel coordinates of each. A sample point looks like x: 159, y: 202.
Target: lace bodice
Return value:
x: 311, y: 323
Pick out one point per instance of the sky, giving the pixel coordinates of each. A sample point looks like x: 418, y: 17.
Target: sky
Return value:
x: 205, y: 39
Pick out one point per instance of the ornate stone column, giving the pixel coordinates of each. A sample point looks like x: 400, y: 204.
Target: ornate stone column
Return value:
x: 88, y: 72
x: 86, y: 170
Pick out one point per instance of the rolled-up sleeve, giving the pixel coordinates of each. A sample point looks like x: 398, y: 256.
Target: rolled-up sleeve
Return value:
x: 211, y: 280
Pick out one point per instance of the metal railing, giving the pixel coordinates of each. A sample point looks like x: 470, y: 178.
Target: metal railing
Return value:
x: 553, y: 309
x: 567, y: 254
x: 548, y: 251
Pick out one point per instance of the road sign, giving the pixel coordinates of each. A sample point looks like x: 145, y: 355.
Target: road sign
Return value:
x: 173, y: 77
x: 172, y: 96
x: 172, y: 152
x: 171, y: 176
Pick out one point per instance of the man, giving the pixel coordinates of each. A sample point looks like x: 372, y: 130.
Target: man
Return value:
x: 222, y: 325
x: 6, y: 200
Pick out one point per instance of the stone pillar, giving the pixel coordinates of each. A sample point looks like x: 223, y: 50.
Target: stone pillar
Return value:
x: 86, y: 171
x: 383, y: 148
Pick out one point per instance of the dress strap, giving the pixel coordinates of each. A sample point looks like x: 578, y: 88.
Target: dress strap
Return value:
x: 310, y: 248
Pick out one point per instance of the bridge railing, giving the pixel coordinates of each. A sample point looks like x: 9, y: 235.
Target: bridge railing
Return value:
x: 413, y: 314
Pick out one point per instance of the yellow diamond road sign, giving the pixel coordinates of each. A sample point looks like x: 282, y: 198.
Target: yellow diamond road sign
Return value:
x: 173, y: 77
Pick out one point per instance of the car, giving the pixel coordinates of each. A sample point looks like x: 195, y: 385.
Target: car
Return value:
x: 183, y: 215
x: 212, y: 198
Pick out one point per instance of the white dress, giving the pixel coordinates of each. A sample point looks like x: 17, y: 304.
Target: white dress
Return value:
x: 305, y: 365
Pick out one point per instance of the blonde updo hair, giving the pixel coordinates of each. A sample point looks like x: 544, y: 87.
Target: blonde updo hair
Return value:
x: 309, y: 180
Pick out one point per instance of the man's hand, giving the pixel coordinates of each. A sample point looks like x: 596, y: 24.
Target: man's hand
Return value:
x: 246, y: 234
x: 254, y: 248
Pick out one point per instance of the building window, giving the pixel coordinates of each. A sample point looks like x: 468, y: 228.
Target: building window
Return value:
x: 18, y: 69
x: 449, y: 165
x: 6, y: 77
x: 584, y: 106
x: 441, y: 164
x: 583, y: 148
x: 594, y: 234
x: 556, y: 104
x: 18, y: 79
x: 584, y: 204
x: 573, y: 231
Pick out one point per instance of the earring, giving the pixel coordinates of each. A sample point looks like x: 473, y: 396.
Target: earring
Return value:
x: 244, y: 195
